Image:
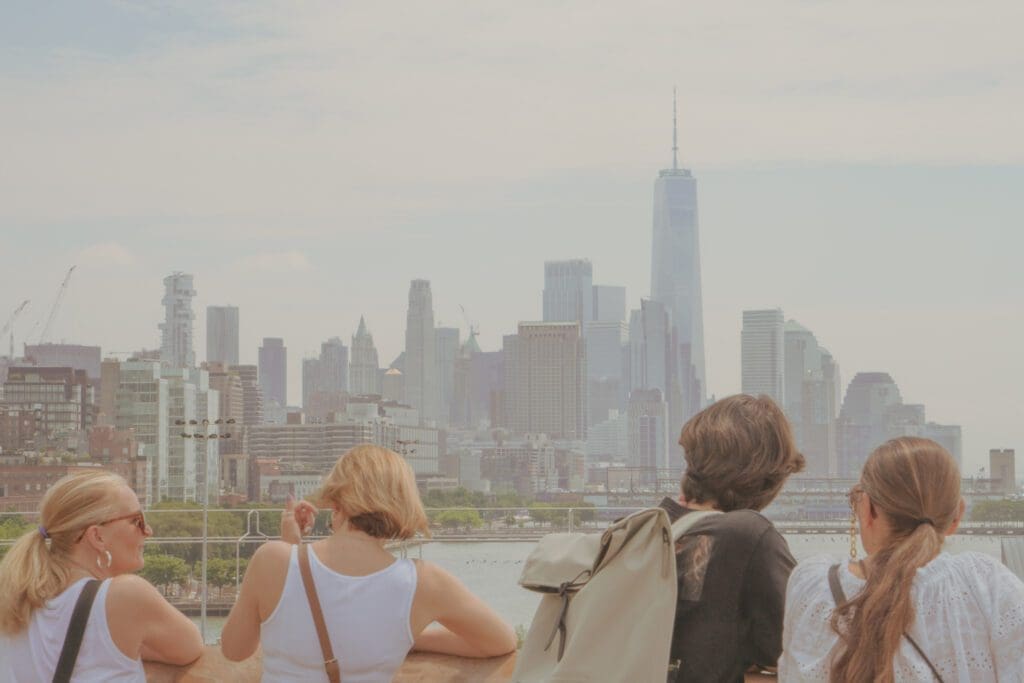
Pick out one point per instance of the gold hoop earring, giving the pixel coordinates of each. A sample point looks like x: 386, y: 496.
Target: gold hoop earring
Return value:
x: 110, y: 560
x: 853, y: 535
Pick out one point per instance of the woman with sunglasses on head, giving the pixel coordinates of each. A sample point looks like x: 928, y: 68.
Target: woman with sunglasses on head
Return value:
x: 908, y: 611
x: 88, y: 544
x: 368, y: 608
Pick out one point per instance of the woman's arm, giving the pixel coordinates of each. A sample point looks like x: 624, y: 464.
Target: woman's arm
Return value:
x: 143, y: 624
x: 263, y: 581
x: 466, y: 626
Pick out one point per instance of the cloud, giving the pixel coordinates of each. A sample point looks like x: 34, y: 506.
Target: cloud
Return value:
x: 291, y: 261
x: 106, y: 254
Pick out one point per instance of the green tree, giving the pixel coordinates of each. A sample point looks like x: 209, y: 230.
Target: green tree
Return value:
x: 998, y: 511
x: 12, y: 527
x: 163, y: 570
x: 453, y: 519
x: 220, y: 572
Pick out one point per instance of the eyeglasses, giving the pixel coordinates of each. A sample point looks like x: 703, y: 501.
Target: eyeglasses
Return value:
x: 137, y: 518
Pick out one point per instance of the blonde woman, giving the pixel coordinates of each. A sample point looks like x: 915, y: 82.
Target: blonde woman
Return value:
x: 91, y: 527
x: 907, y: 612
x: 375, y: 607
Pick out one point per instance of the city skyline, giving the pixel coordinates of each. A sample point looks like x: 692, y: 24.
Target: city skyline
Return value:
x: 861, y: 195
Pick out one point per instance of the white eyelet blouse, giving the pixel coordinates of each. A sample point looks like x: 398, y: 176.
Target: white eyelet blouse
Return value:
x: 969, y: 621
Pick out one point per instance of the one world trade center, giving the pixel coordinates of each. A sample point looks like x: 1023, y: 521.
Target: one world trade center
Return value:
x: 675, y: 283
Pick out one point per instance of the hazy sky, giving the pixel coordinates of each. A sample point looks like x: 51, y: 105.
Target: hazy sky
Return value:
x: 860, y: 165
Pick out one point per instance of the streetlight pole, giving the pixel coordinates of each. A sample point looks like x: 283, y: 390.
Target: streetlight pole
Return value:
x: 204, y: 436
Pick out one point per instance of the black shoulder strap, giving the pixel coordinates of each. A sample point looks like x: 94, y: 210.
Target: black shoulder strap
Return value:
x: 840, y: 597
x: 833, y: 583
x: 76, y: 629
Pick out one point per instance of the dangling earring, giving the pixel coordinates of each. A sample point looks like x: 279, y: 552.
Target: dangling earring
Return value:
x: 853, y: 535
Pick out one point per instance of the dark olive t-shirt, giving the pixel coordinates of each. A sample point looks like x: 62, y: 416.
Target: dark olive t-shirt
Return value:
x: 732, y: 571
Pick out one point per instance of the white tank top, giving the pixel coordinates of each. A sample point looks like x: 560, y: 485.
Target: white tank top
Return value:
x: 32, y: 654
x: 367, y: 620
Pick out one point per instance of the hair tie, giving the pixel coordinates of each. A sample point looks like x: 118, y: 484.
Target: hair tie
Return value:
x: 42, y: 532
x: 924, y: 520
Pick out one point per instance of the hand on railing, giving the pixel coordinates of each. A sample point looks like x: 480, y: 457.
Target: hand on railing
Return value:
x: 297, y: 519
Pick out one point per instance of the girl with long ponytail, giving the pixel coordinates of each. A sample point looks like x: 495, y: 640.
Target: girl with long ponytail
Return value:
x: 914, y: 612
x: 88, y: 543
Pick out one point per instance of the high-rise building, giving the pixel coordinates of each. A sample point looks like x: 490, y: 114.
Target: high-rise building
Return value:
x: 609, y: 303
x: 74, y: 356
x: 545, y: 371
x: 252, y: 394
x: 606, y: 376
x: 447, y: 350
x: 142, y: 404
x: 422, y: 389
x: 676, y: 280
x: 864, y: 419
x: 568, y: 291
x: 364, y: 367
x: 61, y: 399
x: 176, y: 330
x: 812, y: 391
x: 273, y: 371
x: 222, y: 334
x: 763, y: 354
x: 1003, y: 468
x: 647, y: 431
x: 191, y: 462
x: 650, y: 349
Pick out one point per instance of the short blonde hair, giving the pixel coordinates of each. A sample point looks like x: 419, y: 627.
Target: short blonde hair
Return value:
x: 375, y: 489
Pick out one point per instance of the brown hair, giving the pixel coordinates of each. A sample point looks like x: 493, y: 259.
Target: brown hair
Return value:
x: 32, y: 573
x: 915, y: 483
x: 739, y: 452
x: 375, y: 489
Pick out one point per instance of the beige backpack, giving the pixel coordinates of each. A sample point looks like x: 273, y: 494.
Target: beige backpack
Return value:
x: 609, y: 602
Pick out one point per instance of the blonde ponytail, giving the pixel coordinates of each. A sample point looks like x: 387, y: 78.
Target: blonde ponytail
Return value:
x: 36, y: 569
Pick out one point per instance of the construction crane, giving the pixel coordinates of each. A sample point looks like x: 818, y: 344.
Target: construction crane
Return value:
x: 9, y: 325
x: 56, y: 304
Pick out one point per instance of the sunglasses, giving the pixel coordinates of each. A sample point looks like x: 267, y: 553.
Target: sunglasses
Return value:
x: 137, y: 518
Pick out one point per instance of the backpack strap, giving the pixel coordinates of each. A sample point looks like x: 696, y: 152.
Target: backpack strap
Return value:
x: 330, y: 661
x: 76, y: 631
x: 840, y: 597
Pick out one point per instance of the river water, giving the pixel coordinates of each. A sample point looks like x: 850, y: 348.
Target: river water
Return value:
x: 491, y: 569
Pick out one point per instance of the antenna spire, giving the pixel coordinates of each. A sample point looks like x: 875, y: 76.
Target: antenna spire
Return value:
x: 675, y: 145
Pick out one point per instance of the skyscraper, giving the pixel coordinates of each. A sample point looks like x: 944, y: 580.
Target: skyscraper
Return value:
x: 864, y: 421
x: 763, y: 354
x: 176, y: 329
x: 812, y: 391
x: 568, y: 291
x: 222, y: 334
x: 364, y: 366
x: 609, y: 303
x: 422, y: 390
x: 326, y: 375
x: 273, y: 359
x: 676, y: 280
x: 447, y: 349
x: 545, y: 370
x: 648, y: 434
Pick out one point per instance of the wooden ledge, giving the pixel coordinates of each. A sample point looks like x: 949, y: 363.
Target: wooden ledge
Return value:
x: 419, y: 667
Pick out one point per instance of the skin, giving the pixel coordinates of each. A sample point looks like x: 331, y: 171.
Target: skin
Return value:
x: 142, y: 623
x: 445, y: 616
x: 876, y: 529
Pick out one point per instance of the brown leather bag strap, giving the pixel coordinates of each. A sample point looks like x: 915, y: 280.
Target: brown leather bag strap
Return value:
x: 76, y: 631
x: 330, y: 661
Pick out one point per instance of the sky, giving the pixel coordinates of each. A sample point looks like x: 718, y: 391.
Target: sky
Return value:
x: 859, y: 165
